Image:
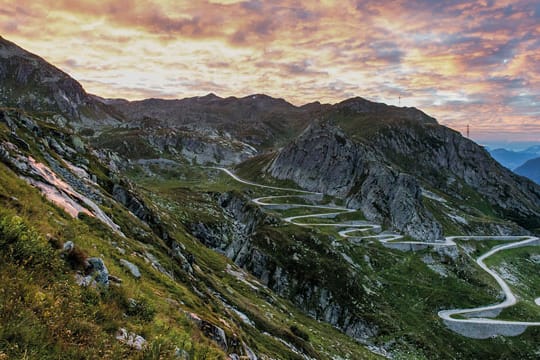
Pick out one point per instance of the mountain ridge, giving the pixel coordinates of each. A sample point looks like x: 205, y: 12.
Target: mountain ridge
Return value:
x: 212, y: 129
x: 142, y: 248
x: 530, y: 169
x: 351, y: 145
x: 513, y: 159
x: 30, y: 82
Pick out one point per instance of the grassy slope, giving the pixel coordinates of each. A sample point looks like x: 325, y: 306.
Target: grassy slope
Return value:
x: 398, y: 291
x: 401, y: 294
x: 45, y: 315
x: 524, y: 279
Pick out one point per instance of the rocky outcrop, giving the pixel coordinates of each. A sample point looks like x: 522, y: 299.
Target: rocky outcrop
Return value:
x: 449, y: 162
x: 29, y: 82
x: 125, y: 195
x: 131, y: 339
x: 55, y: 188
x: 202, y: 151
x: 197, y: 146
x: 96, y: 273
x: 210, y: 330
x: 324, y: 159
x: 127, y: 198
x: 236, y: 239
x: 132, y: 268
x: 99, y: 271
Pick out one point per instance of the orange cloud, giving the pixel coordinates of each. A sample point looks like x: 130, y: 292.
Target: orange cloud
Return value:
x: 465, y: 62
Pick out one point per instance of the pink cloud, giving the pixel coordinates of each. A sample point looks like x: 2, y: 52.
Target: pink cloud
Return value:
x: 460, y: 61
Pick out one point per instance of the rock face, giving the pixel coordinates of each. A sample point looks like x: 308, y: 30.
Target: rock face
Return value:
x: 99, y: 271
x: 324, y: 159
x: 450, y: 163
x: 377, y: 157
x: 236, y: 239
x: 27, y: 81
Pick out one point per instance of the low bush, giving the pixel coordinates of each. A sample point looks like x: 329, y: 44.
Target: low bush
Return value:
x: 299, y: 332
x: 24, y: 246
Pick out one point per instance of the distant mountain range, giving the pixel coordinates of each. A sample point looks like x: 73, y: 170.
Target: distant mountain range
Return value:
x: 513, y: 159
x: 530, y: 169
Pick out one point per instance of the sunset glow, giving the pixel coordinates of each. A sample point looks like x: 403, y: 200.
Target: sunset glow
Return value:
x: 463, y: 62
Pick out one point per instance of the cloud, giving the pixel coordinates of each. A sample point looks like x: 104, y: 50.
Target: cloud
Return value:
x: 458, y: 60
x: 387, y: 51
x: 253, y: 5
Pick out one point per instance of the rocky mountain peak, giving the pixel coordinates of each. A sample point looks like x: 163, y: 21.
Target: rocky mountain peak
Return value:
x: 377, y: 157
x: 209, y: 96
x: 29, y: 82
x: 8, y: 49
x: 263, y: 99
x: 359, y: 106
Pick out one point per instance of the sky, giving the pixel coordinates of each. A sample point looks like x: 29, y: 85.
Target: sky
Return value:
x: 463, y: 62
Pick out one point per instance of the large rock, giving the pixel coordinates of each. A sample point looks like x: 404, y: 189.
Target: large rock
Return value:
x: 210, y: 330
x: 68, y: 246
x: 131, y: 339
x: 133, y: 269
x: 99, y: 271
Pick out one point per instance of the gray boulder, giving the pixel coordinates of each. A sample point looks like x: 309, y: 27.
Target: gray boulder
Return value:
x: 99, y: 271
x: 133, y: 269
x: 131, y: 339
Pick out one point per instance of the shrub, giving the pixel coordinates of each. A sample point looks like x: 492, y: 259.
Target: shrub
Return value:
x: 299, y: 332
x: 23, y: 245
x: 141, y: 309
x: 76, y: 258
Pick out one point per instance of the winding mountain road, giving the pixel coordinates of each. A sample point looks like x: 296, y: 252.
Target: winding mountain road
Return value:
x: 474, y: 323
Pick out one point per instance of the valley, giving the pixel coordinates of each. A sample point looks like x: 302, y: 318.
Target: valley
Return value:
x: 473, y: 324
x: 251, y: 228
